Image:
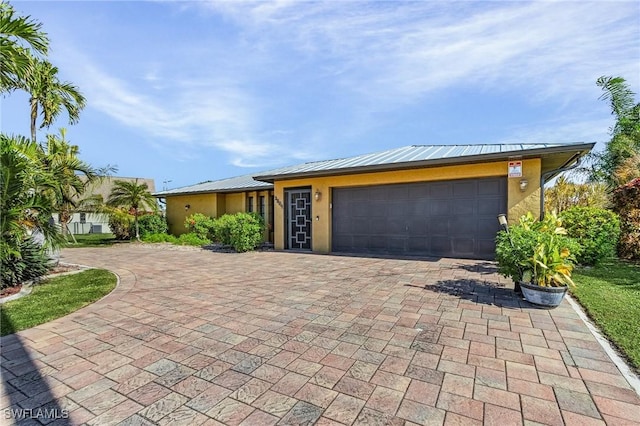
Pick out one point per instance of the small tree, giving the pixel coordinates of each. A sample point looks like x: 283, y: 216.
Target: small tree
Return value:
x: 132, y: 196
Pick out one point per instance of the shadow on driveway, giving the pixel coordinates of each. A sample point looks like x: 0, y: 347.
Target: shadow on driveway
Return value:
x: 26, y: 396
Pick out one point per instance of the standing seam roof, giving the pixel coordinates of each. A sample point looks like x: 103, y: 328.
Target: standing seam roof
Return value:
x: 407, y: 154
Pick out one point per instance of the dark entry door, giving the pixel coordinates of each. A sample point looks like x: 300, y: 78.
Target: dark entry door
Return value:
x: 298, y: 218
x: 454, y: 218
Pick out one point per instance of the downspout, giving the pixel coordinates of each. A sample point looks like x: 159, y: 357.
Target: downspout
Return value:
x: 545, y: 175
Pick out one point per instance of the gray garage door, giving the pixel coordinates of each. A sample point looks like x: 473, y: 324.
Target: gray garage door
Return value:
x: 455, y: 218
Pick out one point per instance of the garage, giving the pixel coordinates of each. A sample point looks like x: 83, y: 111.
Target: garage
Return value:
x: 453, y: 218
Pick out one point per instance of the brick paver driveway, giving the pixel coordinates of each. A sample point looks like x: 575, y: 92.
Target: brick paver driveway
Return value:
x: 195, y: 337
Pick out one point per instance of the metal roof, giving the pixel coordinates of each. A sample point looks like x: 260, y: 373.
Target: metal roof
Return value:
x: 239, y: 183
x: 420, y: 156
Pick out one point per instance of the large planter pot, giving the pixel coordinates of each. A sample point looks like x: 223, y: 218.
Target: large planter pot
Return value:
x: 543, y: 296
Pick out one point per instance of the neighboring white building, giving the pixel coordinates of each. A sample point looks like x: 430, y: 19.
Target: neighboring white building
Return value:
x: 98, y: 223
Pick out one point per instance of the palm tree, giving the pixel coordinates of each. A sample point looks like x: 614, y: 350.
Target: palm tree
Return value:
x: 50, y: 94
x: 132, y: 196
x: 625, y: 141
x: 17, y: 33
x: 73, y: 176
x: 24, y: 202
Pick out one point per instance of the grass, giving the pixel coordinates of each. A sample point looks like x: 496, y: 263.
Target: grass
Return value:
x: 54, y: 298
x: 610, y: 293
x: 92, y: 240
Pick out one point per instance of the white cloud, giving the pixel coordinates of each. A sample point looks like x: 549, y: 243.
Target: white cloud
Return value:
x: 395, y: 51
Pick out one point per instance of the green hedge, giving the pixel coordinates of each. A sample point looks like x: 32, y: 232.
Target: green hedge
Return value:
x: 596, y: 230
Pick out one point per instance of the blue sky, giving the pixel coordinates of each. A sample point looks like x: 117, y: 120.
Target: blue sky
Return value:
x: 203, y: 90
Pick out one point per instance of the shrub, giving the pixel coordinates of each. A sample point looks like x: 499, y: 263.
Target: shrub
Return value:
x: 242, y: 231
x: 201, y: 225
x: 626, y: 201
x: 192, y: 239
x: 159, y: 238
x: 519, y: 245
x: 596, y: 230
x: 152, y: 224
x: 29, y: 262
x: 121, y: 224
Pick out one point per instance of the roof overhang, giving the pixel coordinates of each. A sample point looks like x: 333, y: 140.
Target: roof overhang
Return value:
x: 164, y: 194
x: 552, y: 158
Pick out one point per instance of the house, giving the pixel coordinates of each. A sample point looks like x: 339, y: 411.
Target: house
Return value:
x: 420, y: 200
x: 90, y: 222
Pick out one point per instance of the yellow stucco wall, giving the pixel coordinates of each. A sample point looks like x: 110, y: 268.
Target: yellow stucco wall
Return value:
x: 517, y: 201
x: 199, y: 203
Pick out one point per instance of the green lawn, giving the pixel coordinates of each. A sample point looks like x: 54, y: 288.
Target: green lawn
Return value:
x: 54, y: 298
x: 92, y: 240
x: 610, y: 293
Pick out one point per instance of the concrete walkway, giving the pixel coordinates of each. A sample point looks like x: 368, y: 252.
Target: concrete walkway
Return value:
x: 195, y: 337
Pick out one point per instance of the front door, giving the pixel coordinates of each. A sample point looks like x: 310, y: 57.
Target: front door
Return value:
x: 298, y: 218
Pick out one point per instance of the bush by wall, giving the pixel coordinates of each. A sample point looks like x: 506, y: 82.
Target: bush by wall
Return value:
x: 152, y: 224
x: 596, y: 230
x: 626, y: 201
x: 121, y: 224
x: 201, y: 225
x: 242, y: 231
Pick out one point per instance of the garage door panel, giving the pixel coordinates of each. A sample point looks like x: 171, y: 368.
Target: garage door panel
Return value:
x: 360, y: 208
x: 419, y: 192
x: 489, y: 187
x: 489, y: 206
x: 418, y: 244
x: 377, y: 242
x: 360, y: 226
x: 378, y: 208
x: 441, y: 190
x: 465, y: 207
x: 440, y: 208
x: 396, y: 244
x: 399, y: 192
x: 448, y: 218
x: 397, y: 209
x: 465, y: 189
x: 463, y: 246
x: 393, y: 226
x: 461, y: 225
x: 418, y: 226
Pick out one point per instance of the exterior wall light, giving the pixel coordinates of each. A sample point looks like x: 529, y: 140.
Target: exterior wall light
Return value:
x: 523, y: 184
x: 502, y: 219
x: 187, y: 207
x: 318, y: 195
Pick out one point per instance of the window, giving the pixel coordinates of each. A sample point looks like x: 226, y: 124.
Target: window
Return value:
x: 83, y: 218
x: 250, y: 204
x: 262, y: 207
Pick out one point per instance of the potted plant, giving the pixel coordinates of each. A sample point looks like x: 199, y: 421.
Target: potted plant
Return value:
x: 539, y: 256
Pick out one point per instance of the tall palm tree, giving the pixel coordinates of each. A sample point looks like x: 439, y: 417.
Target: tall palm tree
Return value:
x: 133, y: 196
x: 17, y: 35
x: 50, y: 95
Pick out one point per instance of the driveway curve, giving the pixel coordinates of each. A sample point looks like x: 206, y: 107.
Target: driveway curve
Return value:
x: 194, y: 337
